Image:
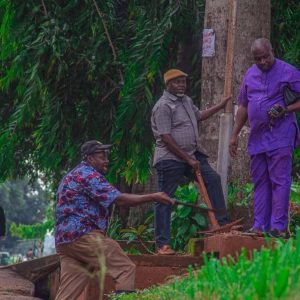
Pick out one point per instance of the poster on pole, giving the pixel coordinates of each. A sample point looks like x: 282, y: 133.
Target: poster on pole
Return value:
x: 208, y: 45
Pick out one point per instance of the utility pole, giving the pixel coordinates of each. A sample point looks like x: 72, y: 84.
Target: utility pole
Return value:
x: 226, y: 119
x: 235, y: 23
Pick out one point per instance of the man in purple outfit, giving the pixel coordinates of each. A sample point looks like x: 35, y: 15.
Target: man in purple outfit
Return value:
x: 273, y: 135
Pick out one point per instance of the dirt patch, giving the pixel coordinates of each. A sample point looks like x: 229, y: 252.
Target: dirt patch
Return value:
x: 245, y: 212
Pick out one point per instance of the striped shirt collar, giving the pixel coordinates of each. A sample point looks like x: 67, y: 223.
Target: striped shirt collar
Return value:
x: 171, y: 96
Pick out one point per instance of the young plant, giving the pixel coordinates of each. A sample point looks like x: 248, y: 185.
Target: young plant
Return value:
x: 185, y: 221
x: 114, y: 229
x: 239, y: 196
x: 141, y: 233
x: 295, y: 192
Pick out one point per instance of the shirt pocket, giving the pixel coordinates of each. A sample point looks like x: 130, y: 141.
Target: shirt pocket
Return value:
x: 256, y: 113
x: 180, y: 117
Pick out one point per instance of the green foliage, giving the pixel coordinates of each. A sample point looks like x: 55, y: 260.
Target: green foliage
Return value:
x: 149, y: 54
x: 294, y: 223
x: 113, y: 230
x: 131, y: 235
x: 77, y: 70
x: 28, y: 232
x: 285, y: 31
x: 296, y: 159
x: 285, y: 36
x: 270, y: 274
x: 69, y: 74
x: 141, y: 232
x: 295, y: 192
x: 244, y: 195
x: 24, y: 203
x: 185, y: 221
x: 133, y: 250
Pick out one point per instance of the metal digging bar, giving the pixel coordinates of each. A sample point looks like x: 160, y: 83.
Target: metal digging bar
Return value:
x: 199, y: 208
x: 214, y: 226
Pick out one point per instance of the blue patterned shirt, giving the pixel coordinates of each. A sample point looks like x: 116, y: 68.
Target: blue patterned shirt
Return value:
x: 83, y: 199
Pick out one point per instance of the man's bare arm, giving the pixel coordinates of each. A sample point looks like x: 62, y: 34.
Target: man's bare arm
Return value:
x: 134, y: 200
x: 240, y: 120
x: 205, y: 114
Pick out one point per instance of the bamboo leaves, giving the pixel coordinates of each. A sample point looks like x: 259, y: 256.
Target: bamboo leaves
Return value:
x: 60, y: 80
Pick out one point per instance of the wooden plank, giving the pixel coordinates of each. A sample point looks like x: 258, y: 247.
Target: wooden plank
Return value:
x: 230, y: 53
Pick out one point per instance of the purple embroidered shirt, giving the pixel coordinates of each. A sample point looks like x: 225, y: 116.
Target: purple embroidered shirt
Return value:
x: 259, y: 91
x: 83, y: 200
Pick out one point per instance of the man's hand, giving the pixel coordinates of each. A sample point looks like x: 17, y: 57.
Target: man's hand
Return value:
x: 205, y: 114
x: 276, y: 111
x: 224, y: 101
x: 163, y: 198
x: 195, y: 164
x: 233, y: 145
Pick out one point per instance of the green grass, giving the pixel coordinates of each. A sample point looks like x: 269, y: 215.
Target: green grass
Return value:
x: 270, y: 274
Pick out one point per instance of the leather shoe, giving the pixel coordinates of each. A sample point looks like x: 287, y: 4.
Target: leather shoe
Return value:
x: 255, y: 231
x: 165, y: 250
x: 275, y: 233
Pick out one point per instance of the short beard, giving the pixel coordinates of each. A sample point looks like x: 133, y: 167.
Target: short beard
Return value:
x: 103, y: 172
x: 180, y: 95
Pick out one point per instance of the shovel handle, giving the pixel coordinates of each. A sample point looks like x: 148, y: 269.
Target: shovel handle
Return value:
x: 211, y: 216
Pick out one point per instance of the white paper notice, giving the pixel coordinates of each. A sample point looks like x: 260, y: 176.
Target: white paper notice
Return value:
x: 208, y: 46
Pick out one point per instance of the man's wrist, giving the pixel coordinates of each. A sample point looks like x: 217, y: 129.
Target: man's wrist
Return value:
x: 189, y: 160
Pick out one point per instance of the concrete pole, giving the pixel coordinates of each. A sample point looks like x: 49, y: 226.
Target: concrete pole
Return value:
x: 226, y: 119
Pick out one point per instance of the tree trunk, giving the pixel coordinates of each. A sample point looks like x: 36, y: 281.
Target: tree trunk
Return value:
x: 252, y: 21
x: 137, y: 214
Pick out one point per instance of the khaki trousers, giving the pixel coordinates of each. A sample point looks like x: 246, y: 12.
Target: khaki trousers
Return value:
x: 80, y: 260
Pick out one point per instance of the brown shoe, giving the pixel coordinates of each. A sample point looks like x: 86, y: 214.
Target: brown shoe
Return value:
x: 165, y: 250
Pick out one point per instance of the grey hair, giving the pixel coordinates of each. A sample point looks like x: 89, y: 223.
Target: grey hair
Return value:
x: 261, y: 43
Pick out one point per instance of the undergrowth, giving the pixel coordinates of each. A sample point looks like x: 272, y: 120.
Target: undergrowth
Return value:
x: 269, y: 274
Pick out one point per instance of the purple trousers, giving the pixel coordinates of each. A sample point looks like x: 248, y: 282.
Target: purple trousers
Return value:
x: 271, y: 175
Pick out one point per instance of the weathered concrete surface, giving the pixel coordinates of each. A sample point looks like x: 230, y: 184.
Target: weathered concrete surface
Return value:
x: 15, y: 287
x: 226, y: 123
x: 232, y: 243
x: 17, y: 281
x: 36, y: 269
x: 151, y: 270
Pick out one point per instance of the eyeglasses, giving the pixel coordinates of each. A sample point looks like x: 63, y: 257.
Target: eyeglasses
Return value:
x: 106, y: 153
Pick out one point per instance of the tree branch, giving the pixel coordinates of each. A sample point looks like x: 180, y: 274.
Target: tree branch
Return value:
x: 108, y: 37
x: 45, y: 8
x: 108, y: 94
